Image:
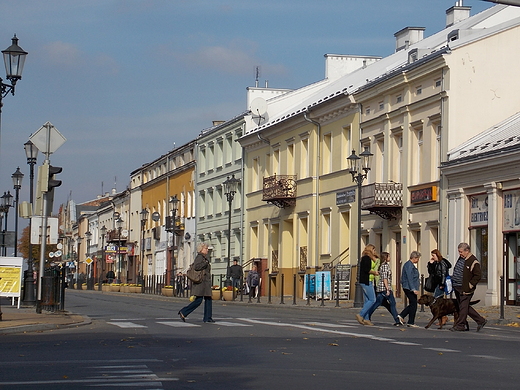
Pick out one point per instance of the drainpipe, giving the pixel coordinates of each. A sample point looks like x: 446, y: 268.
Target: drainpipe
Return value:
x: 317, y: 200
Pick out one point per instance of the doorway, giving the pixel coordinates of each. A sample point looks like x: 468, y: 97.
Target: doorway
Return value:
x: 512, y: 268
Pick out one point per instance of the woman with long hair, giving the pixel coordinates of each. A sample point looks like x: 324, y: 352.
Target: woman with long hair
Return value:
x: 368, y: 256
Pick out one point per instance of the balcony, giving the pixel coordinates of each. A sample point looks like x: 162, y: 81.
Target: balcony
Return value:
x: 179, y: 226
x: 383, y: 199
x: 280, y: 190
x: 113, y: 235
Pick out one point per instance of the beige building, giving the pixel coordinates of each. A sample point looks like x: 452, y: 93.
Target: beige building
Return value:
x: 409, y: 109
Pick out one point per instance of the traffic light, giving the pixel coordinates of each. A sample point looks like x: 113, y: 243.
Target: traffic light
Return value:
x: 46, y: 177
x: 46, y: 184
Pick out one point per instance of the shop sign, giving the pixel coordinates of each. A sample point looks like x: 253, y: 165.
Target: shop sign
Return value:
x: 479, y: 210
x: 424, y: 195
x: 511, y: 210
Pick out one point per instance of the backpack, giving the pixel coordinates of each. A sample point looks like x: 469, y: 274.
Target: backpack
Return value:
x: 254, y: 278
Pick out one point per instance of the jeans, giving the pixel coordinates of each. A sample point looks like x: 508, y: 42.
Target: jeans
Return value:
x: 369, y: 294
x: 208, y: 308
x: 411, y: 309
x: 380, y: 298
x: 236, y: 283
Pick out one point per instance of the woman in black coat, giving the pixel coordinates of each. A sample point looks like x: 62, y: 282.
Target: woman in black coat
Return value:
x: 201, y: 290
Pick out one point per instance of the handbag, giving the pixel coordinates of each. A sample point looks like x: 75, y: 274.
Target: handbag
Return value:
x: 429, y: 284
x: 193, y: 275
x: 448, y: 288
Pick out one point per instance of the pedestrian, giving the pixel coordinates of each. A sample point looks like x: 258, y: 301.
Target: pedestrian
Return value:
x: 253, y: 281
x: 201, y: 290
x: 110, y: 276
x: 438, y: 269
x: 410, y: 284
x: 369, y: 294
x: 466, y: 274
x: 235, y: 271
x: 384, y: 289
x: 179, y: 284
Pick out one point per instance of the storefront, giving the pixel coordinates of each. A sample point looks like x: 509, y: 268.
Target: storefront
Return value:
x: 511, y: 230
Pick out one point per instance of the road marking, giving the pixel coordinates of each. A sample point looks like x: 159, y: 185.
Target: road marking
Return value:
x: 487, y: 357
x: 442, y: 349
x: 404, y: 343
x: 178, y: 324
x: 225, y: 323
x: 329, y: 325
x: 126, y: 324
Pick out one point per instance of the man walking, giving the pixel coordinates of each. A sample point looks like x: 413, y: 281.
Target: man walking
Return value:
x: 466, y: 275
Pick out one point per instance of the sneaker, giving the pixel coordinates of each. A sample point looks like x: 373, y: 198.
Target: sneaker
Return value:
x: 401, y: 320
x: 480, y: 326
x: 368, y: 322
x: 412, y: 326
x: 360, y: 319
x: 397, y: 324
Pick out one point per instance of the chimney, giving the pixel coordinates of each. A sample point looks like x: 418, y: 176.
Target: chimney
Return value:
x: 457, y: 13
x: 407, y: 37
x: 338, y: 65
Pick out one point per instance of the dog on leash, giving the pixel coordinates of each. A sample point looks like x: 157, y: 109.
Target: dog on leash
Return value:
x: 441, y: 308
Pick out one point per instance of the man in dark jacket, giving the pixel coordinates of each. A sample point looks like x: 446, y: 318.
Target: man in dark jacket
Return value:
x: 235, y: 271
x: 466, y: 275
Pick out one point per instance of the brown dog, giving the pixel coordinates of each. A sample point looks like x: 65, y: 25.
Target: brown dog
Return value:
x: 441, y: 307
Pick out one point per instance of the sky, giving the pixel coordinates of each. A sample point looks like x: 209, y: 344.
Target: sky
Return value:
x: 126, y: 81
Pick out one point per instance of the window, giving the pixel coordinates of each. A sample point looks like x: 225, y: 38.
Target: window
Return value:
x: 419, y: 155
x: 290, y: 159
x: 367, y: 111
x: 438, y: 83
x: 327, y: 153
x: 399, y: 99
x: 326, y: 234
x: 381, y: 106
x: 304, y: 159
x: 418, y: 90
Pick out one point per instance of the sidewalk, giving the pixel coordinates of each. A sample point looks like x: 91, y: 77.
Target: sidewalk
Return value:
x: 26, y: 319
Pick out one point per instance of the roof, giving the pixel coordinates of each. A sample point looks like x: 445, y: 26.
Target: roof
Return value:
x: 499, y: 138
x: 476, y: 27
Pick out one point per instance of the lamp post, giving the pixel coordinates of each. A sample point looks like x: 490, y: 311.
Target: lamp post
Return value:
x: 103, y: 231
x: 7, y: 201
x: 31, y: 152
x: 359, y: 174
x: 17, y: 177
x: 144, y: 217
x: 14, y: 60
x: 78, y: 251
x: 230, y: 189
x: 88, y: 236
x: 174, y: 203
x: 119, y: 224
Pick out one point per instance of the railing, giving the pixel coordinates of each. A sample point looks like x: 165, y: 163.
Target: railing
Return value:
x: 383, y: 199
x: 280, y: 190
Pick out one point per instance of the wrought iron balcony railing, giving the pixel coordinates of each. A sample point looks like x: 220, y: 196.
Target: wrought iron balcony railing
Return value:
x: 383, y: 199
x: 280, y: 190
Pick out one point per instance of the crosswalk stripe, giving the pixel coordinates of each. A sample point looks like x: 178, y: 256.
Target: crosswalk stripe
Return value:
x: 178, y: 324
x: 126, y: 324
x: 225, y: 323
x: 329, y: 325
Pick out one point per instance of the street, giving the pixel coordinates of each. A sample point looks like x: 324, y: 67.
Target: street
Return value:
x: 139, y: 342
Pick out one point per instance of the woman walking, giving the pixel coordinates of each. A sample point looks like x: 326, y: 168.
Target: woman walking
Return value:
x: 368, y: 256
x: 201, y: 290
x: 438, y: 269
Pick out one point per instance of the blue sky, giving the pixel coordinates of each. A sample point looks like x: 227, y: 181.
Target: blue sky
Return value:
x: 125, y: 80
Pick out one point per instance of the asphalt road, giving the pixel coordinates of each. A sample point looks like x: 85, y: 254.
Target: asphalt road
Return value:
x: 139, y: 342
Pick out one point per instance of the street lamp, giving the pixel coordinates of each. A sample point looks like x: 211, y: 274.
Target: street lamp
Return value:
x: 119, y: 224
x: 174, y: 203
x: 230, y: 189
x: 31, y: 152
x: 14, y: 59
x: 359, y: 174
x: 88, y: 236
x: 17, y: 177
x: 7, y: 201
x: 78, y: 251
x: 144, y: 218
x: 103, y: 231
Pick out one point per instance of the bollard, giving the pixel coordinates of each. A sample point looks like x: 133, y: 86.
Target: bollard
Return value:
x: 502, y: 298
x: 294, y: 289
x: 281, y: 294
x: 322, y: 290
x: 307, y: 292
x: 337, y: 289
x: 422, y: 290
x: 269, y: 289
